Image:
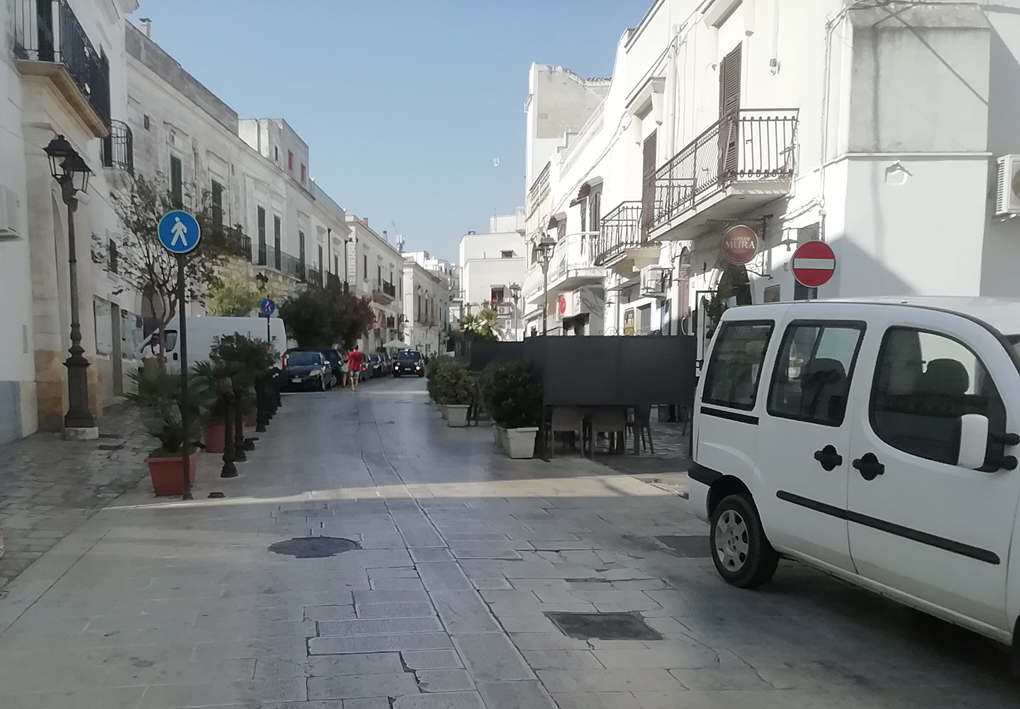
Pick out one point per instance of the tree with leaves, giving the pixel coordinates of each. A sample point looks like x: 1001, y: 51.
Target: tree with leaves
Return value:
x: 235, y: 295
x: 324, y: 317
x: 482, y: 326
x: 144, y: 265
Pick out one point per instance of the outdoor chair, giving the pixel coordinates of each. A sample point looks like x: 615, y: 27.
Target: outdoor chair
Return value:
x: 566, y: 419
x: 639, y: 423
x: 609, y: 419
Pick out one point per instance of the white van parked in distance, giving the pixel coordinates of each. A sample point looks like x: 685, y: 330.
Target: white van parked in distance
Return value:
x: 875, y: 440
x: 203, y: 331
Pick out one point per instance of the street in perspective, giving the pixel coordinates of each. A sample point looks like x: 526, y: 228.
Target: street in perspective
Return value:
x: 720, y: 409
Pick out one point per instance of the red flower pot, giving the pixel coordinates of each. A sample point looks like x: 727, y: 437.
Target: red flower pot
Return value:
x: 214, y: 438
x: 250, y: 419
x: 168, y: 474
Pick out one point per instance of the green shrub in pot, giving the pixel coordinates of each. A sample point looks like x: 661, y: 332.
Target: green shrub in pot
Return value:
x: 452, y: 384
x: 512, y: 394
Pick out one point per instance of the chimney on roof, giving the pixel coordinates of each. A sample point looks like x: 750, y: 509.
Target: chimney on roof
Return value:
x: 386, y: 236
x: 366, y: 221
x: 146, y: 24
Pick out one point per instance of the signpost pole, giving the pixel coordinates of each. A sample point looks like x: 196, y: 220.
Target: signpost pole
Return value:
x: 182, y: 260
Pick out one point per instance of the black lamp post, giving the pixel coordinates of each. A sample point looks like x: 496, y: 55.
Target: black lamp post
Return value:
x: 544, y: 250
x: 72, y: 174
x: 515, y: 296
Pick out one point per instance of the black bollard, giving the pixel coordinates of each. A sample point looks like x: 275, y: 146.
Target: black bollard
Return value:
x: 261, y: 405
x: 239, y: 447
x: 229, y: 469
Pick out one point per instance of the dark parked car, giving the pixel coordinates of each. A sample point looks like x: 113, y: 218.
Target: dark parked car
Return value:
x: 306, y: 369
x: 332, y: 357
x: 373, y: 366
x: 409, y: 362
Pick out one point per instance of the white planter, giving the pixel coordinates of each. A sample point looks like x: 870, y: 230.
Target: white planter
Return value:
x: 520, y: 442
x: 457, y: 415
x: 497, y: 436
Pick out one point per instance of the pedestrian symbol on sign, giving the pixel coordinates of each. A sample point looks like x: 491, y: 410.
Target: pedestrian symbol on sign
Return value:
x: 180, y: 232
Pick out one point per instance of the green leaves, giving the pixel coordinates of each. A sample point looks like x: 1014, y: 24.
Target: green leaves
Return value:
x: 512, y: 393
x: 450, y: 382
x: 324, y: 317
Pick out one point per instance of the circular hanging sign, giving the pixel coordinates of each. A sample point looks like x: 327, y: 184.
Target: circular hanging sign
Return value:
x: 740, y: 245
x: 562, y: 305
x: 814, y: 263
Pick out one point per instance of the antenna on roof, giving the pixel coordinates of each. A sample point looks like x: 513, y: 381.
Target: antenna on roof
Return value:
x: 400, y: 243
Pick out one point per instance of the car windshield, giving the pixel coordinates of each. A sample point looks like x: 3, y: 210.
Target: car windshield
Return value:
x: 303, y: 359
x: 1015, y: 341
x: 409, y: 356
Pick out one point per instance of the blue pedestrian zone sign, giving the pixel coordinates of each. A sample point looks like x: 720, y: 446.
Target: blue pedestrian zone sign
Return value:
x: 267, y: 307
x: 179, y: 232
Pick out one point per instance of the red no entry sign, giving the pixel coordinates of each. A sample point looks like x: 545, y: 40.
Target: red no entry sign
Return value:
x: 813, y: 264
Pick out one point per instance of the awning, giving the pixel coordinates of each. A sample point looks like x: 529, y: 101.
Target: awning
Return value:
x: 586, y: 189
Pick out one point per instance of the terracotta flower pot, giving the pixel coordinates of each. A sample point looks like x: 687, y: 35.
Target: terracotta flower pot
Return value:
x: 250, y: 419
x: 214, y: 437
x: 168, y: 474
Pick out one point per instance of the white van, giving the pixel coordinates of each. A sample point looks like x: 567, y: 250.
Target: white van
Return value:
x: 875, y: 440
x: 203, y: 331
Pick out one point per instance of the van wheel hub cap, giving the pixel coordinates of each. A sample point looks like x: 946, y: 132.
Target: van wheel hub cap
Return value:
x: 731, y: 540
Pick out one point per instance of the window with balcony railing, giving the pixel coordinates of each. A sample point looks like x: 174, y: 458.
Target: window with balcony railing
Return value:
x: 752, y: 145
x: 119, y: 147
x: 49, y: 31
x: 620, y: 230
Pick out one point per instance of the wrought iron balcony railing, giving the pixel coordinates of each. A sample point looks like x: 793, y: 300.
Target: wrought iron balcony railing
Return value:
x: 621, y: 230
x: 119, y: 150
x: 313, y: 276
x: 239, y: 245
x: 48, y: 31
x: 332, y: 280
x: 281, y: 261
x: 752, y: 145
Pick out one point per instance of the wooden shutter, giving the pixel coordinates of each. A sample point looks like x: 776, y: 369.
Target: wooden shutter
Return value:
x: 729, y: 112
x: 648, y: 182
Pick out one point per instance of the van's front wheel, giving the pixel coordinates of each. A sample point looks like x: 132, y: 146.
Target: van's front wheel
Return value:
x: 740, y: 550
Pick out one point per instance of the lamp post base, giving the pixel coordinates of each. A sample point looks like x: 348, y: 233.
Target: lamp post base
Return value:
x: 83, y: 433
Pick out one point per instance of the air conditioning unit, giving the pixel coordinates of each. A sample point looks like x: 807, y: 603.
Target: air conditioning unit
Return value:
x: 653, y: 282
x: 9, y: 214
x: 1007, y: 197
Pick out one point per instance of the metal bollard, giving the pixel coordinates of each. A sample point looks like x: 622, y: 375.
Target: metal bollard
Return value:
x: 261, y: 404
x: 229, y: 469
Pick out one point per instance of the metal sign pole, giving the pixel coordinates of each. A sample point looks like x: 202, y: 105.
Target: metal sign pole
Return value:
x: 182, y: 336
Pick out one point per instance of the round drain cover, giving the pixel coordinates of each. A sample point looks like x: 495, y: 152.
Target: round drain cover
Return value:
x: 313, y: 547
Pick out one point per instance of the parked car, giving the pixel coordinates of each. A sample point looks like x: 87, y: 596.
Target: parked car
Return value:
x: 373, y: 366
x: 333, y: 358
x: 408, y: 362
x: 306, y: 369
x: 877, y: 441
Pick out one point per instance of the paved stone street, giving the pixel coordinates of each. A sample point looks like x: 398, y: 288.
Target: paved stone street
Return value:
x: 444, y: 600
x: 49, y: 487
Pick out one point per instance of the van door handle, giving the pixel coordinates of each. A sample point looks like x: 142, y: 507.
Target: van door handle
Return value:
x: 868, y: 466
x: 828, y: 458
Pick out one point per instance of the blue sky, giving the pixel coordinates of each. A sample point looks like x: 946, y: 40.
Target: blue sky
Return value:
x: 404, y: 104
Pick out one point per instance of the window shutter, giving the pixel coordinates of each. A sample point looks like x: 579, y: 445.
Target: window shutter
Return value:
x: 648, y: 182
x: 729, y: 112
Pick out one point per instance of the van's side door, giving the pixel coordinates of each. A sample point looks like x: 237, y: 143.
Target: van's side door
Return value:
x: 804, y: 438
x: 919, y: 522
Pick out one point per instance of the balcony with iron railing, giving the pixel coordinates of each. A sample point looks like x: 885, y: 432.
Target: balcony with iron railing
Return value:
x: 281, y: 261
x: 50, y: 42
x: 333, y: 280
x: 739, y: 163
x: 238, y: 245
x: 383, y: 292
x: 119, y: 149
x: 313, y: 277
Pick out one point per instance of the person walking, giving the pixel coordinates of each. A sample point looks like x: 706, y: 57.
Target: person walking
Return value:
x: 345, y: 367
x: 355, y: 362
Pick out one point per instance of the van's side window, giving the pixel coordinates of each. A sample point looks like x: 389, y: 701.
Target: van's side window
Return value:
x: 924, y: 383
x: 735, y: 368
x: 811, y: 381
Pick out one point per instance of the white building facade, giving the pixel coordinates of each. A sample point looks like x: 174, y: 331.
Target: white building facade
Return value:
x: 876, y: 129
x: 426, y: 309
x: 375, y: 271
x: 490, y: 264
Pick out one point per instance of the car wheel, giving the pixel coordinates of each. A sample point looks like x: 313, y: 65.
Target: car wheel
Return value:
x: 322, y: 383
x: 742, y: 553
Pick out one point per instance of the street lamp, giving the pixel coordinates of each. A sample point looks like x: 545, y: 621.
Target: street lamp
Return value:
x: 515, y: 296
x: 544, y: 250
x: 72, y: 174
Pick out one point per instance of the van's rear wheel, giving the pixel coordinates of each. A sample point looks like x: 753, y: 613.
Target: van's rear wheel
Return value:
x: 740, y: 549
x: 1015, y: 665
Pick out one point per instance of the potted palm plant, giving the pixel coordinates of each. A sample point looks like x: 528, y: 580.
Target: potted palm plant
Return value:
x: 513, y: 396
x: 208, y: 375
x: 159, y: 391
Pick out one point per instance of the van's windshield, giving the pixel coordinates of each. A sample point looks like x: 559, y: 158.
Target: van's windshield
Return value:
x: 1015, y: 341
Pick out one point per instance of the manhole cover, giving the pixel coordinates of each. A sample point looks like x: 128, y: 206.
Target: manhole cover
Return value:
x: 603, y: 626
x: 690, y: 547
x: 313, y: 547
